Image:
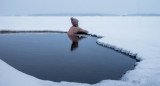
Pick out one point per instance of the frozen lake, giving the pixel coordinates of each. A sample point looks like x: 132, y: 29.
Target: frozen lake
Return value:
x: 58, y: 57
x: 133, y: 35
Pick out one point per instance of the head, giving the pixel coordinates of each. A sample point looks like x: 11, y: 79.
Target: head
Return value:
x: 74, y: 21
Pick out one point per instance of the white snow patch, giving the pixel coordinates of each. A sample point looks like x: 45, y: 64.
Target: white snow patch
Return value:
x: 137, y: 35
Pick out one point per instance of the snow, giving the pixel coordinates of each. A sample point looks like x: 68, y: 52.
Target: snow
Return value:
x: 136, y: 35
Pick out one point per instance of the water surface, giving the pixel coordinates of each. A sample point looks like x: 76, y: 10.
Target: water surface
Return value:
x: 59, y: 57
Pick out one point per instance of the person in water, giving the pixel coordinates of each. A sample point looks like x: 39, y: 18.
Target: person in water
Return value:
x: 75, y: 28
x: 73, y: 31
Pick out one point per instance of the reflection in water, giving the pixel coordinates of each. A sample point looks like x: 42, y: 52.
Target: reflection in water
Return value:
x: 75, y: 39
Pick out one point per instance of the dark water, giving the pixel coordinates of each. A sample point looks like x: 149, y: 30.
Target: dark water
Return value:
x: 53, y: 56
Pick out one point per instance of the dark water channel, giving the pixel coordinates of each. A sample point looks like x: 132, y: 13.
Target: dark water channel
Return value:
x: 57, y: 57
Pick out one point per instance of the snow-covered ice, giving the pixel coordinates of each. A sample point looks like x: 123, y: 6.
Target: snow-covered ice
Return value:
x: 137, y: 35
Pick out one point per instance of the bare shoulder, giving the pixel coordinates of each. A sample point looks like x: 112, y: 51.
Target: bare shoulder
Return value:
x: 79, y: 28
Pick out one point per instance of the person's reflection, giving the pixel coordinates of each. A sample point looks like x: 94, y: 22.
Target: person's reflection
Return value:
x: 75, y: 40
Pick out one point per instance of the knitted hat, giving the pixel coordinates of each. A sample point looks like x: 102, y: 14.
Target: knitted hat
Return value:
x: 74, y: 21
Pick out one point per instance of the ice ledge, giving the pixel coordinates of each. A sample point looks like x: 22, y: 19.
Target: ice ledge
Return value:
x: 120, y: 50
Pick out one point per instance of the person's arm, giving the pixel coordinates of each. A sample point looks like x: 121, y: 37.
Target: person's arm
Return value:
x: 80, y: 30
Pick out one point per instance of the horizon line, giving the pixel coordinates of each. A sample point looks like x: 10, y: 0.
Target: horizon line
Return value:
x: 88, y: 14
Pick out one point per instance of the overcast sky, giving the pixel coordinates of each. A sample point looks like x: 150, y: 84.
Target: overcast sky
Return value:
x: 27, y: 7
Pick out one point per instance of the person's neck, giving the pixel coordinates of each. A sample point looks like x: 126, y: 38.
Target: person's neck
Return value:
x: 75, y: 26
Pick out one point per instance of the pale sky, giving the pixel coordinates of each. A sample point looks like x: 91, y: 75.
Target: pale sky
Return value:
x: 27, y: 7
